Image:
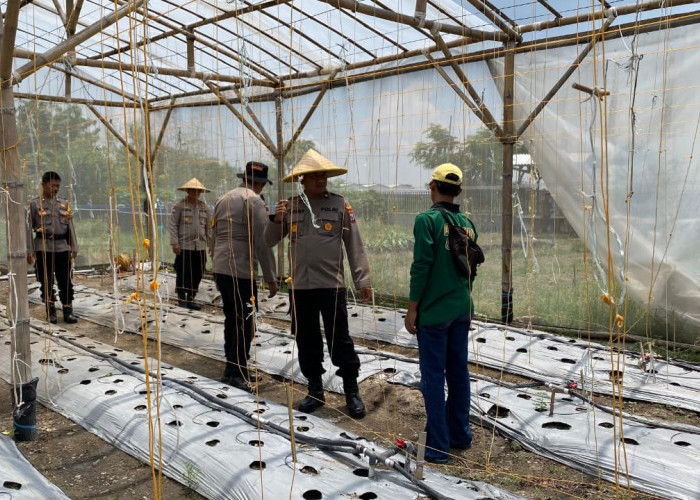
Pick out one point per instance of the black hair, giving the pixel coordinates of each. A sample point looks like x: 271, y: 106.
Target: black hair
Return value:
x: 50, y: 176
x: 447, y: 189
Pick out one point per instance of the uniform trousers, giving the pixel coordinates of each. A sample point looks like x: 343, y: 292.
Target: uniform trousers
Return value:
x: 331, y: 304
x: 238, y: 322
x: 189, y: 268
x: 59, y: 263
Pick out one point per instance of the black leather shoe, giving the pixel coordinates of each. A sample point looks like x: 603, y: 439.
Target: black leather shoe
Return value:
x: 356, y: 408
x: 69, y: 318
x: 194, y: 306
x: 52, y: 316
x: 311, y: 403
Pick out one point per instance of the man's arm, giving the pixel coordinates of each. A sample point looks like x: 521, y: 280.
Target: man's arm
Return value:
x: 357, y: 257
x: 263, y: 252
x: 173, y: 225
x: 276, y: 230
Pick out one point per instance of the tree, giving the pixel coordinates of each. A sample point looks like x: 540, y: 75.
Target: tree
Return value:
x: 59, y: 137
x: 441, y: 148
x: 480, y: 157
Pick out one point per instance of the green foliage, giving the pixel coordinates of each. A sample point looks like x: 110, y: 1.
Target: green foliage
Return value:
x: 480, y: 156
x: 378, y: 237
x: 191, y: 475
x: 368, y: 205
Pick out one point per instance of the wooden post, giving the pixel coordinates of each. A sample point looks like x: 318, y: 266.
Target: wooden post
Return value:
x: 507, y: 195
x: 23, y: 385
x: 280, y: 174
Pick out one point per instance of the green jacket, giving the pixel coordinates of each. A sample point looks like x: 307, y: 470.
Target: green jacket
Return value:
x: 441, y: 292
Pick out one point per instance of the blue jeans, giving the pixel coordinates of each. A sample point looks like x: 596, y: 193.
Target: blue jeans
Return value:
x: 443, y: 357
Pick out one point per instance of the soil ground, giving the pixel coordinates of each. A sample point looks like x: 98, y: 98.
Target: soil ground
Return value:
x: 85, y: 467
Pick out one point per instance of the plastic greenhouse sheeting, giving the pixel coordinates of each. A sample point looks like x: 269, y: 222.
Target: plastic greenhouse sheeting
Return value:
x: 537, y: 355
x: 19, y: 480
x: 208, y: 426
x: 650, y: 163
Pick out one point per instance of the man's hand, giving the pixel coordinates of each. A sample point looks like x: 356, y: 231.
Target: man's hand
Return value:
x: 281, y: 211
x: 176, y: 248
x: 272, y: 285
x: 30, y: 258
x: 366, y: 294
x: 411, y: 316
x: 73, y: 255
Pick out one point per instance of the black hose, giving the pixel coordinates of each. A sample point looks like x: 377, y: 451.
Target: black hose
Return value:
x: 339, y: 445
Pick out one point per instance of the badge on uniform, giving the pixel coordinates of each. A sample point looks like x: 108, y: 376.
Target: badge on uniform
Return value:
x: 293, y: 228
x: 328, y: 226
x: 350, y: 211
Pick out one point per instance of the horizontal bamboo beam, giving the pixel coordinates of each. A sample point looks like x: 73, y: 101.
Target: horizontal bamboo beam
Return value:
x: 59, y: 50
x: 603, y: 13
x: 71, y: 100
x: 390, y: 15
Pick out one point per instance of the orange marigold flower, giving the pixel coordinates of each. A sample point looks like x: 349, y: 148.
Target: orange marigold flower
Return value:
x: 606, y: 298
x: 288, y: 280
x: 146, y: 243
x: 619, y: 320
x: 154, y: 285
x: 132, y: 297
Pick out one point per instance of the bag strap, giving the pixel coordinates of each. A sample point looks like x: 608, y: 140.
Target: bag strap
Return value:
x: 445, y: 216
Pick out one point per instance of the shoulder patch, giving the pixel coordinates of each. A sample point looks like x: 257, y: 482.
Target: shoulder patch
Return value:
x: 350, y: 212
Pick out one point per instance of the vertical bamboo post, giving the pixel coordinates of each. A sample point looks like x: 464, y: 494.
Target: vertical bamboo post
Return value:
x: 507, y: 195
x: 280, y: 175
x: 24, y: 386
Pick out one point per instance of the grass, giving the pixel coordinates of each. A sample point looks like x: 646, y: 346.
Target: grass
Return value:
x: 553, y: 284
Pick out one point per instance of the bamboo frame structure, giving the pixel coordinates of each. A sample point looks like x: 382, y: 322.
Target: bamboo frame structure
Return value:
x: 194, y: 84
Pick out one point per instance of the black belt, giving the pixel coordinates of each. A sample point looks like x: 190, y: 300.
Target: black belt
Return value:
x: 54, y: 237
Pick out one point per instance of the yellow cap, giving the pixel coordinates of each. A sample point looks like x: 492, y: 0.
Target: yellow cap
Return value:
x: 449, y: 173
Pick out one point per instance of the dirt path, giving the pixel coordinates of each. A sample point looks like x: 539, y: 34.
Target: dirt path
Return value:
x: 84, y: 466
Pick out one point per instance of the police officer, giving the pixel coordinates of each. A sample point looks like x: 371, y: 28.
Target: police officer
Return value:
x: 54, y: 245
x: 238, y: 245
x: 190, y: 231
x: 319, y: 225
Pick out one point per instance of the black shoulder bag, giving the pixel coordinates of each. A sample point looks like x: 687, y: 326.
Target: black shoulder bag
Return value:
x: 466, y: 253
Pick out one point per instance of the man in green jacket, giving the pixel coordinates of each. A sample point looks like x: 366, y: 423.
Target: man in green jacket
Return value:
x: 439, y: 312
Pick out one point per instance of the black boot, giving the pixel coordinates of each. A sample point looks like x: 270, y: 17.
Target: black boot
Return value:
x: 234, y: 378
x: 181, y: 299
x: 191, y: 304
x: 52, y: 314
x: 356, y: 407
x: 315, y: 398
x: 68, y: 315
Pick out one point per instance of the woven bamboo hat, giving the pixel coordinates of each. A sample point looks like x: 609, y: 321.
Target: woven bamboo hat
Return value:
x: 193, y: 183
x: 313, y: 161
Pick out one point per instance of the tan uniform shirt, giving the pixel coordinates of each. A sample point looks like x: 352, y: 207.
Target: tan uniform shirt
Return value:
x: 52, y: 223
x: 189, y: 225
x: 238, y: 215
x: 316, y: 254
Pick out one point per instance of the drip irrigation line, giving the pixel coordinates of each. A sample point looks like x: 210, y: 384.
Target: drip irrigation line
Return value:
x: 254, y: 419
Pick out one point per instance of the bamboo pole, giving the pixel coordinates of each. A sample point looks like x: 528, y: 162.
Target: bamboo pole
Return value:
x: 280, y: 176
x: 324, y: 88
x: 59, y: 50
x: 396, y: 17
x: 553, y: 91
x: 241, y: 118
x: 507, y: 194
x: 24, y: 386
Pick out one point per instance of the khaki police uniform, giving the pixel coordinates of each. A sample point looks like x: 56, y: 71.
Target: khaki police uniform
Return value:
x: 318, y: 283
x: 51, y: 221
x: 238, y: 245
x: 189, y: 227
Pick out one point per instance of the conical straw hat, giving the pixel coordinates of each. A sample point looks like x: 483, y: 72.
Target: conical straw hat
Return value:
x: 193, y: 183
x: 313, y: 161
